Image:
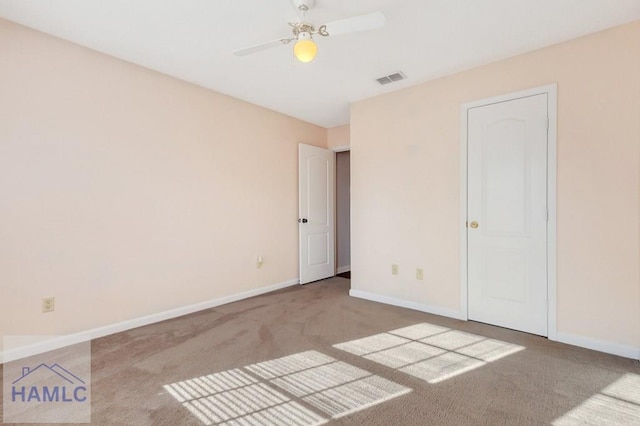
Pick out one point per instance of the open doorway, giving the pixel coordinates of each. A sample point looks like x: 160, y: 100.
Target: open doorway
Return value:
x: 343, y: 214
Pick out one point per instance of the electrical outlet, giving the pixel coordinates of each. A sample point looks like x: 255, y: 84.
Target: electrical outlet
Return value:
x: 419, y: 274
x: 48, y: 304
x: 259, y: 262
x: 394, y: 269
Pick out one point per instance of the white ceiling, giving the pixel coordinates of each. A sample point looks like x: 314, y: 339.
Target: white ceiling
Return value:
x: 194, y: 39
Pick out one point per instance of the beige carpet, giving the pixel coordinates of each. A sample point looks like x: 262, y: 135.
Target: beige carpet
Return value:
x: 313, y: 355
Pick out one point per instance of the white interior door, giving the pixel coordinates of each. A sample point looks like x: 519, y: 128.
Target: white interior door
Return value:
x: 316, y: 213
x: 507, y: 214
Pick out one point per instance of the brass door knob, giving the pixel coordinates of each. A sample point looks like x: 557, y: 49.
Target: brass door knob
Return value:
x: 474, y: 224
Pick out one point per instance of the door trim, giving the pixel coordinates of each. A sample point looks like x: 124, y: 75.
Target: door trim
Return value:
x: 341, y: 148
x: 552, y: 104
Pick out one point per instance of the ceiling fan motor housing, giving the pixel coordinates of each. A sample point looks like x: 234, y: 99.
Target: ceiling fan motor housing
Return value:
x: 303, y: 5
x: 303, y: 27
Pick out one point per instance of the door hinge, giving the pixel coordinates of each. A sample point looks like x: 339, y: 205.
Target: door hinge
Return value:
x: 547, y: 215
x: 547, y: 124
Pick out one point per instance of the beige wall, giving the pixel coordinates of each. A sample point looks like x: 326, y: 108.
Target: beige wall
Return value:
x: 124, y: 192
x: 405, y: 170
x: 338, y: 137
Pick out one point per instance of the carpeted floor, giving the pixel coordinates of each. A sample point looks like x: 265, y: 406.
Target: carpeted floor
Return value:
x: 312, y: 354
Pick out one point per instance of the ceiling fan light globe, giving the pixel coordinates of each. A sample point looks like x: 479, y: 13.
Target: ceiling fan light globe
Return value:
x: 305, y: 50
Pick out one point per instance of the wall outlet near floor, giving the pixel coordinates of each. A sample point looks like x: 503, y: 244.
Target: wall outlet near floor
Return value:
x: 394, y: 269
x: 419, y: 274
x: 259, y: 262
x: 48, y: 304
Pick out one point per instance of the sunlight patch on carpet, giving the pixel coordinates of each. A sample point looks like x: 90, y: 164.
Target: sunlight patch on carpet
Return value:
x: 452, y: 340
x: 429, y: 352
x: 442, y: 367
x: 617, y: 404
x: 320, y: 378
x: 289, y: 364
x: 372, y: 344
x: 307, y: 388
x: 404, y: 355
x: 419, y: 331
x: 355, y: 396
x: 334, y: 387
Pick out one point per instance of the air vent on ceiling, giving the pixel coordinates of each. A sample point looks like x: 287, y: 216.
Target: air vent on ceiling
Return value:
x: 391, y: 78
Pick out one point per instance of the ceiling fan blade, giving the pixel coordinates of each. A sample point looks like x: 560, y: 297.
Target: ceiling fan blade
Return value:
x: 261, y: 46
x: 366, y: 22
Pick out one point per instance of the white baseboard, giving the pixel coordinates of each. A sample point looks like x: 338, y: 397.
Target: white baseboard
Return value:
x: 599, y: 345
x: 343, y: 269
x: 406, y: 304
x: 58, y: 342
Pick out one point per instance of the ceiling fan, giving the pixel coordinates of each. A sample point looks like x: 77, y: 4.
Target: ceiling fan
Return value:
x: 305, y: 49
